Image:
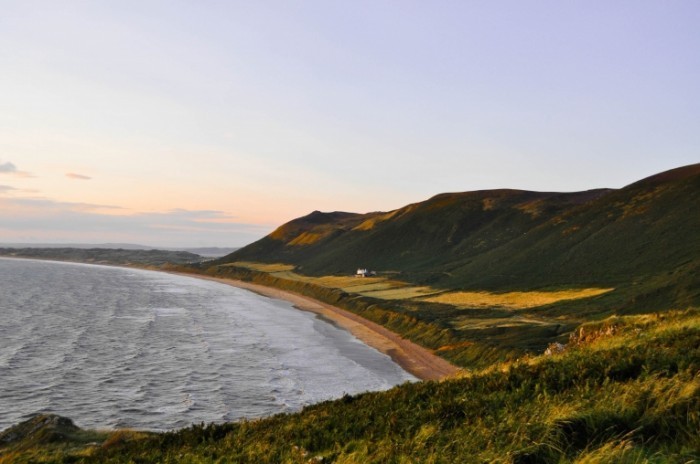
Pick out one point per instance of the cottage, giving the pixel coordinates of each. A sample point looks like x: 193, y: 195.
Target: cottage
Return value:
x: 365, y: 273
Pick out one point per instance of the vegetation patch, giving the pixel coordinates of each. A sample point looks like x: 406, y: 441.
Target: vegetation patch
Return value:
x: 373, y: 221
x: 306, y: 238
x: 264, y: 267
x: 368, y: 289
x: 467, y: 322
x: 401, y: 293
x: 513, y: 300
x: 349, y: 283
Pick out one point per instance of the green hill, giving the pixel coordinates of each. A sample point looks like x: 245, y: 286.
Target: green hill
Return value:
x: 478, y: 275
x: 501, y: 239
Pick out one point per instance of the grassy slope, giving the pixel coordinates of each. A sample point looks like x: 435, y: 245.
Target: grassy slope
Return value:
x: 626, y: 390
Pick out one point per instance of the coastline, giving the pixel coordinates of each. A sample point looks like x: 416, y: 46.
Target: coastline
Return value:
x: 413, y: 358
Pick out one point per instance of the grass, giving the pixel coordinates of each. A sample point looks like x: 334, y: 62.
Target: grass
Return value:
x: 347, y: 283
x: 370, y: 223
x: 264, y: 267
x: 486, y: 322
x: 629, y: 394
x: 386, y: 289
x: 514, y: 300
x: 401, y: 293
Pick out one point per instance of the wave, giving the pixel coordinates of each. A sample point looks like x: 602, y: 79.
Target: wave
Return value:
x: 127, y: 348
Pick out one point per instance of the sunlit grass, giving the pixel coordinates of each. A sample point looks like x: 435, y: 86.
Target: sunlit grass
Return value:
x: 347, y: 283
x: 307, y: 238
x: 513, y: 300
x: 385, y: 289
x: 373, y: 221
x: 262, y: 267
x: 489, y: 322
x: 367, y: 289
x: 401, y: 293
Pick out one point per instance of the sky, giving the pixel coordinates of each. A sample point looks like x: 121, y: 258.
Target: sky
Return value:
x: 210, y: 123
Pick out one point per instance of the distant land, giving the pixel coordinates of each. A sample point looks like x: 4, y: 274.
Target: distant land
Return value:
x: 107, y: 256
x: 207, y: 252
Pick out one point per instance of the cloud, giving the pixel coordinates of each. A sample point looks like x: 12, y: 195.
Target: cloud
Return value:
x: 9, y: 168
x: 47, y: 221
x: 7, y: 189
x: 72, y: 175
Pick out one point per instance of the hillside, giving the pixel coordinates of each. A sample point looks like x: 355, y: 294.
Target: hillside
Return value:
x: 509, y: 239
x: 503, y: 237
x: 486, y: 275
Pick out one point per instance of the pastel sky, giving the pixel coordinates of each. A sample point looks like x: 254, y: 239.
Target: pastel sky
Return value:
x: 209, y: 123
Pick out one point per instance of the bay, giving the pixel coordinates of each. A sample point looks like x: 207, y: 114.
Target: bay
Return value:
x: 115, y: 347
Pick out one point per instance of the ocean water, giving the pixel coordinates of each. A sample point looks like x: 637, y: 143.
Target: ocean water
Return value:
x: 112, y: 347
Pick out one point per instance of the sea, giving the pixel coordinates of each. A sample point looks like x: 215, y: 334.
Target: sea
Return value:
x: 115, y: 347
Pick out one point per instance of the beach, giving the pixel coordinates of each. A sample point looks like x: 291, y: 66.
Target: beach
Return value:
x: 415, y: 359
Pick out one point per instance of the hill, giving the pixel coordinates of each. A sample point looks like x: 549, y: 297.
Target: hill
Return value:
x: 503, y: 270
x: 504, y: 238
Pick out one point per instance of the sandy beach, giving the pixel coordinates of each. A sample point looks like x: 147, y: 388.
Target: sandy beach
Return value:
x: 413, y: 358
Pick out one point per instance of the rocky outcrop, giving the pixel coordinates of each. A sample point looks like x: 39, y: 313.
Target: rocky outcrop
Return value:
x: 42, y: 428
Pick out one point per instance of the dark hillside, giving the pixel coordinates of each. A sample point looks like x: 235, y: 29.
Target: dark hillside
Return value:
x: 644, y: 238
x: 415, y: 238
x: 641, y: 230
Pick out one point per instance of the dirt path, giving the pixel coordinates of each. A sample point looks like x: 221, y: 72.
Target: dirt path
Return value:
x: 413, y: 358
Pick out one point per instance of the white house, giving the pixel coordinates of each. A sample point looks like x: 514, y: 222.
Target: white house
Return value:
x: 365, y: 273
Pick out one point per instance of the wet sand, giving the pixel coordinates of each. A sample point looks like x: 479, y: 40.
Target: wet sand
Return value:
x: 413, y: 358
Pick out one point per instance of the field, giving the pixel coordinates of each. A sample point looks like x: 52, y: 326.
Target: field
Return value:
x: 390, y: 289
x: 514, y: 300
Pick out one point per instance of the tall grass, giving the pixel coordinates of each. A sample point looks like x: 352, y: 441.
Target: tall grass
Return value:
x: 631, y: 396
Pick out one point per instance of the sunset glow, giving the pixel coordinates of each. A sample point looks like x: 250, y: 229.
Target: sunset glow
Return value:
x: 209, y: 124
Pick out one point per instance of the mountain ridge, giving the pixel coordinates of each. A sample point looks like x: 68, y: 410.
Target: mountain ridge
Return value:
x: 505, y: 238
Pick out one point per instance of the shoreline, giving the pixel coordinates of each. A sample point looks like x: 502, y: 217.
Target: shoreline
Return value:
x: 413, y: 358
